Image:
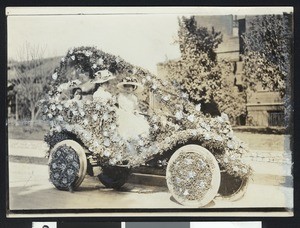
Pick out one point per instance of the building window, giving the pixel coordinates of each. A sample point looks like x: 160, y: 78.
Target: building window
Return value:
x: 276, y: 118
x: 235, y: 26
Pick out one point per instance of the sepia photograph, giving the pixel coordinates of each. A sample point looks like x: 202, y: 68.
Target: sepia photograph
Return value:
x: 142, y: 111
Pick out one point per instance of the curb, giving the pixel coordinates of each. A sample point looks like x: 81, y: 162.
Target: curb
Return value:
x: 159, y: 180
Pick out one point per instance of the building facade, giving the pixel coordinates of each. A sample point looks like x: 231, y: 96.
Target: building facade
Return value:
x: 264, y: 108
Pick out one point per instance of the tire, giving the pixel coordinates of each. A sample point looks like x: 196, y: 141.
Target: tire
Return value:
x: 232, y: 188
x: 67, y: 165
x: 193, y: 176
x: 114, y: 177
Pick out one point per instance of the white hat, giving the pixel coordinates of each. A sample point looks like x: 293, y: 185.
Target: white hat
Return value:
x: 102, y: 76
x: 137, y: 87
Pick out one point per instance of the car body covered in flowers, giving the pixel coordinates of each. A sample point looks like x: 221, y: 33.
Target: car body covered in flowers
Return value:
x: 199, y: 155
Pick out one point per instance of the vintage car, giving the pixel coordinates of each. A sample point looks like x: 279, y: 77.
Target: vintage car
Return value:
x: 198, y: 154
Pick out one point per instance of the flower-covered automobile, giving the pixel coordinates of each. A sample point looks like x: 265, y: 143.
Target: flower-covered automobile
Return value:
x: 153, y: 124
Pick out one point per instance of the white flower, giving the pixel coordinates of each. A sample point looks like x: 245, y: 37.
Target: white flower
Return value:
x: 105, y: 116
x: 235, y: 169
x: 95, y: 117
x: 154, y: 86
x: 178, y: 180
x: 118, y: 60
x: 96, y: 144
x: 70, y: 171
x: 143, y: 80
x: 224, y: 116
x: 62, y: 59
x: 73, y: 57
x: 226, y: 160
x: 188, y: 161
x: 98, y: 107
x: 54, y: 76
x: 115, y: 138
x: 58, y: 128
x: 218, y: 138
x: 59, y: 107
x: 166, y: 98
x: 184, y: 95
x: 113, y: 126
x: 94, y: 66
x: 148, y: 77
x: 60, y: 118
x: 207, y: 136
x: 202, y: 163
x: 82, y: 113
x: 68, y: 127
x: 202, y: 184
x: 53, y: 107
x: 106, y: 142
x: 88, y: 53
x: 219, y: 119
x: 230, y: 144
x: 155, y: 127
x: 191, y: 174
x: 106, y: 153
x: 186, y: 192
x: 134, y: 70
x: 50, y: 115
x: 244, y: 170
x: 87, y: 136
x: 191, y: 118
x: 100, y: 61
x: 105, y: 133
x: 85, y: 122
x: 141, y: 142
x: 232, y: 157
x: 198, y: 107
x: 179, y: 115
x: 205, y: 126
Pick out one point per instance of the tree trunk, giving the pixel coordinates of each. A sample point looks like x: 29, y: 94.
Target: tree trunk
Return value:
x: 32, y: 108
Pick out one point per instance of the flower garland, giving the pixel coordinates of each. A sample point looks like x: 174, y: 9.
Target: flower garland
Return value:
x: 95, y: 124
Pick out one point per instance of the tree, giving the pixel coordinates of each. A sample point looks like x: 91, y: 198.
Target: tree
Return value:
x: 32, y: 81
x: 199, y: 73
x: 268, y: 58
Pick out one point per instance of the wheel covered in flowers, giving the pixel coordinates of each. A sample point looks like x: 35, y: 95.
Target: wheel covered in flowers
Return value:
x: 193, y: 176
x: 233, y: 188
x: 114, y: 177
x: 67, y: 165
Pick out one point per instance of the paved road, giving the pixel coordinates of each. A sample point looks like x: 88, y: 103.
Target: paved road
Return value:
x: 29, y: 188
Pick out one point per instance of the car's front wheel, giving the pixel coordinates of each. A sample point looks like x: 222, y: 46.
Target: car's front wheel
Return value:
x: 67, y: 165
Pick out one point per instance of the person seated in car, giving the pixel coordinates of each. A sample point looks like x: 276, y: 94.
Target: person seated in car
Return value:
x: 102, y: 82
x: 131, y: 123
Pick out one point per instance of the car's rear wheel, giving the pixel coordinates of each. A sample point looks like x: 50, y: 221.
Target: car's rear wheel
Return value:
x: 193, y: 176
x: 67, y: 165
x: 232, y: 188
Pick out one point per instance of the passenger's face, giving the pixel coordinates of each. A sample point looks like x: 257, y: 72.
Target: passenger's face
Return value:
x: 129, y: 88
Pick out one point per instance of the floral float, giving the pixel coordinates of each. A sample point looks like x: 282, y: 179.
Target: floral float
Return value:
x: 200, y: 154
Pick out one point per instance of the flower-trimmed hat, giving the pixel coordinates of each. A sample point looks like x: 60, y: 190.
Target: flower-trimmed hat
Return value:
x: 102, y: 76
x: 137, y: 87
